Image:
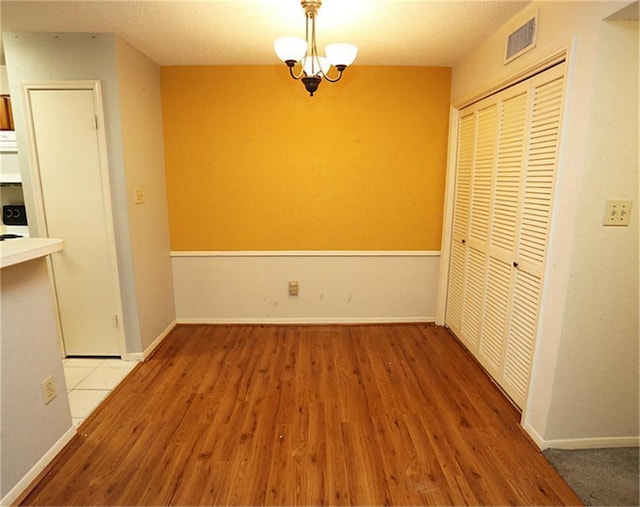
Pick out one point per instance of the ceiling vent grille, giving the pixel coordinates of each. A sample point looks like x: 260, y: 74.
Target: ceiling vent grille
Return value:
x: 521, y: 40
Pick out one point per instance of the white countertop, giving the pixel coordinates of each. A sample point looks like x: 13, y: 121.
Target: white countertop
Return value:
x: 15, y: 251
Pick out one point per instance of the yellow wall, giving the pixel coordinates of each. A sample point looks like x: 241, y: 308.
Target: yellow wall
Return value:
x: 254, y: 163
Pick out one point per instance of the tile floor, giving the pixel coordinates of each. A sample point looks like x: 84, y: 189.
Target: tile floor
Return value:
x: 90, y: 380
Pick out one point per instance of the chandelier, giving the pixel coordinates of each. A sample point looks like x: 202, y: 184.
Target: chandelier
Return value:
x: 301, y: 55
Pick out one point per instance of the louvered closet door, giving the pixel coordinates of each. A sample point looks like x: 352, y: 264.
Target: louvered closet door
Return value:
x: 546, y: 105
x: 462, y: 198
x: 507, y: 157
x: 486, y: 116
x: 505, y: 204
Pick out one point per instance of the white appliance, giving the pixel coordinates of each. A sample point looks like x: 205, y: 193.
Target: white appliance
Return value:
x: 11, y: 194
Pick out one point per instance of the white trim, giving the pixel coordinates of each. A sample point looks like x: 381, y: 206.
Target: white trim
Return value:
x: 593, y: 443
x: 311, y: 320
x: 447, y: 219
x: 307, y: 253
x: 133, y: 356
x: 537, y: 397
x: 551, y: 59
x: 154, y: 344
x: 581, y: 443
x: 36, y: 469
x: 537, y: 439
x: 142, y: 356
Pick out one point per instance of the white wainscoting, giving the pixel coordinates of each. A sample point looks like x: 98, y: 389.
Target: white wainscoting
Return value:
x: 335, y: 287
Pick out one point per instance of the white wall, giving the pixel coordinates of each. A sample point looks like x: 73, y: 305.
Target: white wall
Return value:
x: 334, y: 286
x: 131, y: 93
x: 29, y: 353
x: 143, y: 151
x: 37, y: 57
x: 596, y: 392
x: 4, y: 82
x: 560, y: 24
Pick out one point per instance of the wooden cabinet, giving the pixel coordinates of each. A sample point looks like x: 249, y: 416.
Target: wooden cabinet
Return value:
x: 505, y: 170
x: 6, y: 114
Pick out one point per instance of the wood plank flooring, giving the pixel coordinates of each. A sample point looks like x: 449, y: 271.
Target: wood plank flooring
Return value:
x: 304, y: 415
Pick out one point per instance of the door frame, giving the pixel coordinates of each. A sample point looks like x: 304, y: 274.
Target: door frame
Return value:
x: 38, y: 196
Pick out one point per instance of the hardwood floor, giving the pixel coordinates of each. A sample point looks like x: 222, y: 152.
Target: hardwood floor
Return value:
x: 311, y: 415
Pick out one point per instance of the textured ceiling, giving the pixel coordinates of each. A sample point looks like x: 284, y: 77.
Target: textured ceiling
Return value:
x: 241, y: 32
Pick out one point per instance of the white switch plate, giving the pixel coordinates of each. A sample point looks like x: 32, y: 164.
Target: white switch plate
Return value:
x: 617, y: 213
x: 139, y: 196
x: 48, y: 390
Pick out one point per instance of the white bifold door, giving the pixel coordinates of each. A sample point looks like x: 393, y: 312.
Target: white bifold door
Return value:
x: 505, y: 171
x: 72, y: 180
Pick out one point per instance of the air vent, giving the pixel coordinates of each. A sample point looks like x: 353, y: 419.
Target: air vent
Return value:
x: 521, y: 40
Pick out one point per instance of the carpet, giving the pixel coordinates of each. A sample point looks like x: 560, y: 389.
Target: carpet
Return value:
x: 600, y: 476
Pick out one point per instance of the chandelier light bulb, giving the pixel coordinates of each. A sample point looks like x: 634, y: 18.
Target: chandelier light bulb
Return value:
x: 316, y: 66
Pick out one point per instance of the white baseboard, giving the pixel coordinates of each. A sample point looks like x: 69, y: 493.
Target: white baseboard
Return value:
x: 582, y: 443
x: 154, y: 344
x: 311, y: 321
x: 334, y: 287
x: 132, y: 356
x: 141, y: 356
x: 593, y: 443
x: 41, y: 464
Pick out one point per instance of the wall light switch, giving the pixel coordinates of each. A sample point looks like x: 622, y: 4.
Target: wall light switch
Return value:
x: 293, y: 288
x: 617, y: 213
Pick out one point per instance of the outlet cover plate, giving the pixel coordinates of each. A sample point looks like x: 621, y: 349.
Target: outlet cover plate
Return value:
x: 48, y: 390
x: 617, y: 213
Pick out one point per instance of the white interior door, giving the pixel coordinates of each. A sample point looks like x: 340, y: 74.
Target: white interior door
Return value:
x: 77, y: 209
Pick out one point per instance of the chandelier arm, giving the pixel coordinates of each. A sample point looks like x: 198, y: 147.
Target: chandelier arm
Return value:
x: 293, y: 74
x: 333, y: 80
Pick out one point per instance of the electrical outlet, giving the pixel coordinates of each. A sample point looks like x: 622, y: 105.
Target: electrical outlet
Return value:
x: 617, y: 213
x: 48, y: 390
x: 293, y: 288
x: 139, y: 196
